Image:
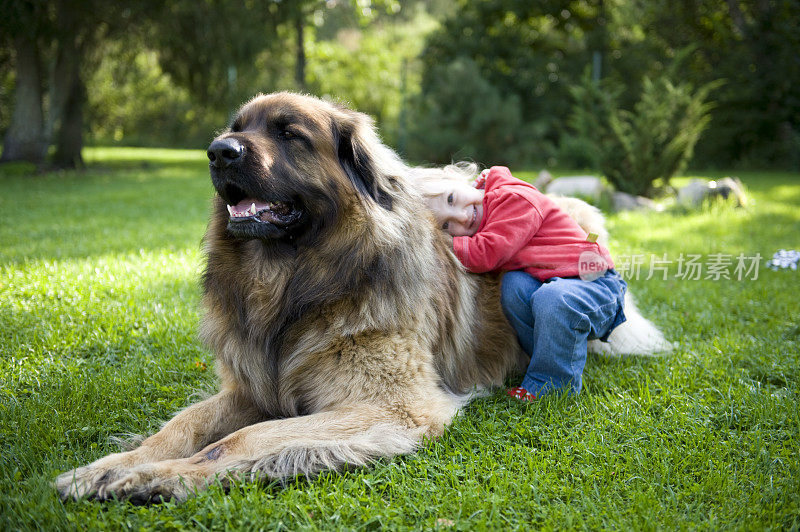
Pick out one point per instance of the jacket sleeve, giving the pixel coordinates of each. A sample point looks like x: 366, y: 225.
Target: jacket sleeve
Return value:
x: 513, y: 222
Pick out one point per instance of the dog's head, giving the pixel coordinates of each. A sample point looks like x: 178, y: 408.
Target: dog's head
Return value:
x: 290, y: 166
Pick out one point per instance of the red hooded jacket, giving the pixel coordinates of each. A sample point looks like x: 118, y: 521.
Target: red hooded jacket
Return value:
x: 522, y: 229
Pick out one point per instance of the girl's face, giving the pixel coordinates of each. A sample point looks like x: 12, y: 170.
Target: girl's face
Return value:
x: 459, y: 209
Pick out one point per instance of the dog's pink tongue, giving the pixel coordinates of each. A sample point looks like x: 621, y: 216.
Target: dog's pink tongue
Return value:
x: 246, y: 204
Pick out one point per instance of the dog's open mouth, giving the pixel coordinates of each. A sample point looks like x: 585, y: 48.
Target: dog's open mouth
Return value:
x: 244, y: 209
x: 279, y: 213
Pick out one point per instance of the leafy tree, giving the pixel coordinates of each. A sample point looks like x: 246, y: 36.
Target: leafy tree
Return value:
x: 132, y: 101
x: 137, y: 96
x: 77, y: 28
x: 365, y: 63
x: 197, y: 48
x: 58, y: 37
x: 537, y: 50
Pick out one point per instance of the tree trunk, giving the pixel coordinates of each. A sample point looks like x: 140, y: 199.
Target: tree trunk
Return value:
x: 25, y: 139
x: 69, y: 95
x: 300, y: 61
x: 56, y: 95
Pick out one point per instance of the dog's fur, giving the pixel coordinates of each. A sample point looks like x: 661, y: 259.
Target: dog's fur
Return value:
x: 349, y: 334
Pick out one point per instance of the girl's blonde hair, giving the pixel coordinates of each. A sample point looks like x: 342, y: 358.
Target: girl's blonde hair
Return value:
x: 433, y: 181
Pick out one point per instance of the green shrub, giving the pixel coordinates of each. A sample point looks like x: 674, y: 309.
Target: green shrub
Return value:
x: 636, y: 148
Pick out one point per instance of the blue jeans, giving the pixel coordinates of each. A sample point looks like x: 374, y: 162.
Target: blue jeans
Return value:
x: 555, y: 319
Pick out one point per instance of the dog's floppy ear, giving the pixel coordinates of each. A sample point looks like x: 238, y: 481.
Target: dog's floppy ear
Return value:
x: 352, y: 136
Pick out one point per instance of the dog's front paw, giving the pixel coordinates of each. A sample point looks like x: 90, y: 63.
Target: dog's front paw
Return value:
x: 170, y: 480
x: 85, y: 481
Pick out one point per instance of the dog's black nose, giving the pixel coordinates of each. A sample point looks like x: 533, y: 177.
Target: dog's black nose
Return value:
x: 224, y: 152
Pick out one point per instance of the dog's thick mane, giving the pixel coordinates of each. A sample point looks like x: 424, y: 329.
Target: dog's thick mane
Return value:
x: 388, y: 271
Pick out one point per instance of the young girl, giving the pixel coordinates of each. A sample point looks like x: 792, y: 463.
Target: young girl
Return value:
x: 560, y: 290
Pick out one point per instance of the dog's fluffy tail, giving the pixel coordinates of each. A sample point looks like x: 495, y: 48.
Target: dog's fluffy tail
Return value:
x: 636, y: 336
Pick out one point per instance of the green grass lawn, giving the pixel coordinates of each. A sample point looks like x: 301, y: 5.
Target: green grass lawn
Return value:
x: 99, y: 303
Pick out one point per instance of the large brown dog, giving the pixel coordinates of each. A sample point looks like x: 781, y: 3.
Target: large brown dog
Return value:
x: 344, y: 327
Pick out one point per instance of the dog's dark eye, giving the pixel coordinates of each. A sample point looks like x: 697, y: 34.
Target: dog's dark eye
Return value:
x: 285, y: 134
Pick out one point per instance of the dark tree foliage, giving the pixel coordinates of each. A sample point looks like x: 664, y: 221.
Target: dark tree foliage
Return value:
x: 525, y: 50
x: 208, y: 45
x: 496, y: 75
x: 469, y: 118
x: 534, y: 51
x: 755, y: 47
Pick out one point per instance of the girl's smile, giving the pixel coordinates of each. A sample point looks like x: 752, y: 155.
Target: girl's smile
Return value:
x: 459, y: 209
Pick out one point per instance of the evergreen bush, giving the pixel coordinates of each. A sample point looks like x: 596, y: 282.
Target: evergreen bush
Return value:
x: 635, y: 148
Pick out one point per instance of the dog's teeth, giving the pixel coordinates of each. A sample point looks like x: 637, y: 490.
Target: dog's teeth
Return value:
x: 230, y: 210
x: 253, y: 208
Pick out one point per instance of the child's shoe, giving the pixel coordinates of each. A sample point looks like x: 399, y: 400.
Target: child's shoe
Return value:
x: 521, y: 393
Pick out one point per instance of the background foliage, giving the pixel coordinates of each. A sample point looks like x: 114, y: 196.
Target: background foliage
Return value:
x: 488, y: 80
